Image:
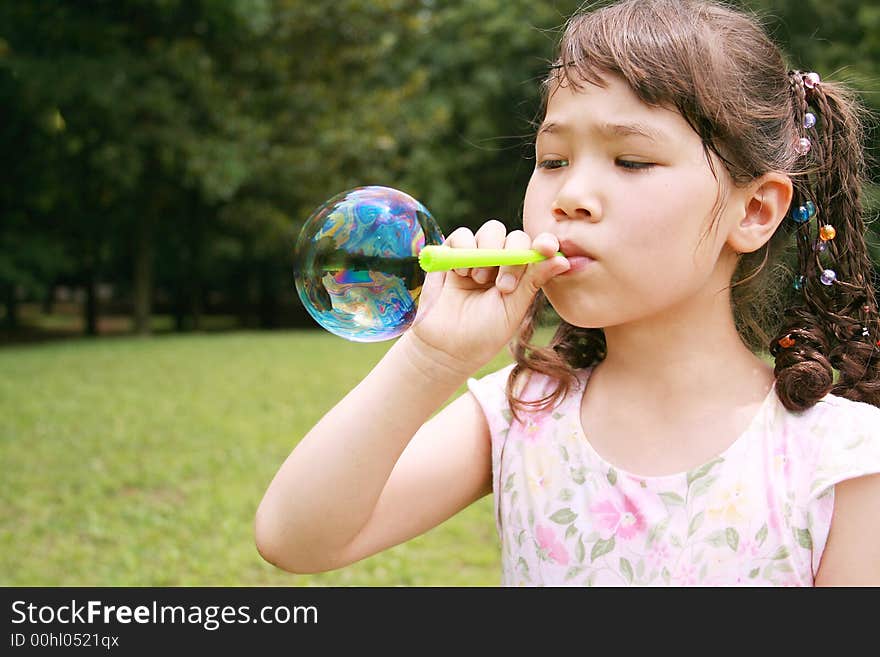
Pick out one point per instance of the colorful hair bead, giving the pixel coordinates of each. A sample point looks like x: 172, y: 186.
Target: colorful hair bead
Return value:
x: 811, y: 208
x: 786, y: 342
x: 828, y: 277
x: 865, y: 332
x: 800, y: 214
x: 827, y: 232
x: 821, y: 245
x: 798, y: 282
x: 809, y: 120
x: 802, y: 146
x: 811, y: 80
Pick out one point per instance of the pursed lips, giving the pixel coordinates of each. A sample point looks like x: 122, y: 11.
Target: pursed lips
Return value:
x: 578, y: 258
x: 571, y: 250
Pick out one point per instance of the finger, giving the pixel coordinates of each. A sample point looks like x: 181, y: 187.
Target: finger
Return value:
x: 461, y: 238
x: 536, y: 275
x: 430, y: 293
x: 546, y: 244
x: 539, y: 273
x: 542, y: 272
x: 491, y: 235
x: 508, y: 276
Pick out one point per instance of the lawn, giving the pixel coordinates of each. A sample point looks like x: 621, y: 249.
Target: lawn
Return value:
x: 140, y: 462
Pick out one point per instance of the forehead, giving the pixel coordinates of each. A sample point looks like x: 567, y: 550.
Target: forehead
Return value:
x: 614, y: 110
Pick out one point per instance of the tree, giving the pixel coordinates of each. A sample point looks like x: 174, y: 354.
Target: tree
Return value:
x: 149, y: 120
x: 176, y: 147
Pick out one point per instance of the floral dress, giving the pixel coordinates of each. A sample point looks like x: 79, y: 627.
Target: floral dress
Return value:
x: 758, y: 514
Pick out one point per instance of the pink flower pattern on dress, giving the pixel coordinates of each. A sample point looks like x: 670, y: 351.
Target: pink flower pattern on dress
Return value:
x: 659, y: 554
x: 551, y: 545
x: 622, y: 519
x: 686, y: 575
x: 748, y: 548
x: 756, y: 515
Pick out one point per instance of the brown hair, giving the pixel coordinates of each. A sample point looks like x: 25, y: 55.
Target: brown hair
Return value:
x: 719, y: 69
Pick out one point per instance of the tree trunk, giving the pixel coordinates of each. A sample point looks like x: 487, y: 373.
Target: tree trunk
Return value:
x: 197, y: 307
x: 180, y: 307
x: 196, y: 256
x: 11, y: 302
x: 249, y: 287
x: 91, y: 307
x: 143, y: 273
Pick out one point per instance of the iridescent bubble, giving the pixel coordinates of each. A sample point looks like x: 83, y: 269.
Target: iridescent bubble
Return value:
x: 357, y: 271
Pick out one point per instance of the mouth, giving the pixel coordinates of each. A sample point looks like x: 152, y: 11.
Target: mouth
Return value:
x: 577, y: 257
x: 571, y: 250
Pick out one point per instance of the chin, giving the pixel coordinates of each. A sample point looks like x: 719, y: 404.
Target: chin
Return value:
x: 579, y: 319
x: 583, y: 325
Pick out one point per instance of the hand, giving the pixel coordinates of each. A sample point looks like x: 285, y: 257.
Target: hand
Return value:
x: 466, y: 316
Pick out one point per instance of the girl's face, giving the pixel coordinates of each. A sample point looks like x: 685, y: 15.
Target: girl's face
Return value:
x: 630, y: 186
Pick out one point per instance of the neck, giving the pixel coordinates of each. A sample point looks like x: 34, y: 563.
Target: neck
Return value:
x: 688, y: 352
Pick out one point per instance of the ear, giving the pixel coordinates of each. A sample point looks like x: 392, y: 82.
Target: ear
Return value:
x: 760, y: 208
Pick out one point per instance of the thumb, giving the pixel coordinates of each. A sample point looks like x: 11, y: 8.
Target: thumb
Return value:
x: 534, y: 278
x: 431, y: 290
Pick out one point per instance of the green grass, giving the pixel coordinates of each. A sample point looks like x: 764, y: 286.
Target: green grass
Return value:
x: 141, y: 462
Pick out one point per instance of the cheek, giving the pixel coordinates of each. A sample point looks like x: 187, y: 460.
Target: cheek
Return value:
x: 665, y: 253
x: 536, y: 209
x: 662, y: 258
x: 674, y: 224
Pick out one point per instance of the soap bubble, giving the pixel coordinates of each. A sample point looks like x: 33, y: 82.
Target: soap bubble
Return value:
x: 357, y: 270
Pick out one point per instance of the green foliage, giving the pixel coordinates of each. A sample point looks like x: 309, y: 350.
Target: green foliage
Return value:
x: 198, y: 136
x: 840, y: 40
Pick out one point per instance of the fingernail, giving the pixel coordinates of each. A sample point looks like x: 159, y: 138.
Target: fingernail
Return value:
x: 507, y: 282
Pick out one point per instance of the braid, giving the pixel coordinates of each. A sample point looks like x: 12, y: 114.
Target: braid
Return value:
x: 803, y: 372
x: 833, y: 326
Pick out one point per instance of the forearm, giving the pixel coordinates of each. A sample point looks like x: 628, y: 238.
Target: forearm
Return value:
x: 328, y: 487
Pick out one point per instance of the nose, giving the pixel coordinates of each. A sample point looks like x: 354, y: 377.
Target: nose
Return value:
x: 577, y: 200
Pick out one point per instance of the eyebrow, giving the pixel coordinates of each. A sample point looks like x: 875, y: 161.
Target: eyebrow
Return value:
x: 611, y: 130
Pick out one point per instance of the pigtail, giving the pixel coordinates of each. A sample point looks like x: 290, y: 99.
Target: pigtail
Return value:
x: 833, y: 325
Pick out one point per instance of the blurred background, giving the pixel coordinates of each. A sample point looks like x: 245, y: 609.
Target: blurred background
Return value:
x: 160, y: 155
x: 159, y: 158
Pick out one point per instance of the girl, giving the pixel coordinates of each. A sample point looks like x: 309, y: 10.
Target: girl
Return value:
x: 648, y: 444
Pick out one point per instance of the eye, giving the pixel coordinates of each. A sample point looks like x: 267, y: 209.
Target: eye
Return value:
x: 552, y: 164
x: 634, y: 165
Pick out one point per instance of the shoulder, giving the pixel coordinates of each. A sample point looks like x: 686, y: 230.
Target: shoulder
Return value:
x: 495, y: 379
x: 845, y: 437
x: 531, y: 385
x: 835, y: 440
x: 841, y: 407
x: 490, y: 391
x: 837, y: 436
x: 832, y: 412
x: 834, y: 452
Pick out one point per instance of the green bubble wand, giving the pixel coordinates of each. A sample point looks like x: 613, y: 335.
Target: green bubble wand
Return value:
x: 443, y: 258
